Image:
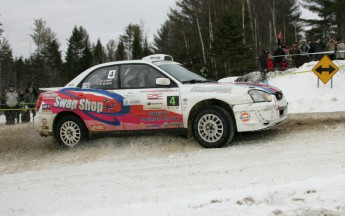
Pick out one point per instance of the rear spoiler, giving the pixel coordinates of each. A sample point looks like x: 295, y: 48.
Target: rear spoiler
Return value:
x: 51, y: 89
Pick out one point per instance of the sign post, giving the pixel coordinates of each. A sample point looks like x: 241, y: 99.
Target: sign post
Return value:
x: 325, y: 70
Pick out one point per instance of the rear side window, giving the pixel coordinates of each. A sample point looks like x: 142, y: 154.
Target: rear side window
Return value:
x: 102, y: 78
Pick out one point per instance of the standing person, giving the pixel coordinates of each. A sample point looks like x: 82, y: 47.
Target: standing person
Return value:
x: 330, y: 46
x: 279, y: 55
x: 304, y: 50
x: 280, y: 38
x: 263, y: 59
x: 32, y: 85
x: 11, y: 100
x: 340, y: 50
x: 318, y: 47
x: 294, y: 52
x: 25, y: 115
x: 30, y: 101
x: 270, y: 63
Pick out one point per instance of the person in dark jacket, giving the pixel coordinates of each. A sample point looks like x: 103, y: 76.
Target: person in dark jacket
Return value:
x: 263, y: 59
x: 318, y: 46
x: 279, y: 55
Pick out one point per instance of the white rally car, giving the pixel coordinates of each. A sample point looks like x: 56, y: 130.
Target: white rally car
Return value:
x: 156, y: 93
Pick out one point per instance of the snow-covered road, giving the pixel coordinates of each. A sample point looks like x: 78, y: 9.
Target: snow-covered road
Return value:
x: 297, y: 168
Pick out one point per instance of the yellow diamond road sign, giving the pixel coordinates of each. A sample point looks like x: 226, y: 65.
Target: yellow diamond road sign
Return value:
x: 325, y: 69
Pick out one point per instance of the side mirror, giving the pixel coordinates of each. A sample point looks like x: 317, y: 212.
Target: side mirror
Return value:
x: 163, y: 81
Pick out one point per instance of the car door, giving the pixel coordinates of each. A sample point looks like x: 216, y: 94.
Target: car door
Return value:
x: 100, y: 89
x: 151, y: 106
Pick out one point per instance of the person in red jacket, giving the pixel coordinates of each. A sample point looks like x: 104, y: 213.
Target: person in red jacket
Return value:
x: 283, y: 65
x: 270, y: 63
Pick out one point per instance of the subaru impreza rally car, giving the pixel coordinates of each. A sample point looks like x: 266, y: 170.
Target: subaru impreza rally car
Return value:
x: 156, y: 93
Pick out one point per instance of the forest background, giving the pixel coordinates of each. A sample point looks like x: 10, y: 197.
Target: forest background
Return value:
x: 226, y: 36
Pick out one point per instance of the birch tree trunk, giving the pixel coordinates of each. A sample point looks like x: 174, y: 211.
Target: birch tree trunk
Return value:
x: 200, y: 34
x: 273, y: 12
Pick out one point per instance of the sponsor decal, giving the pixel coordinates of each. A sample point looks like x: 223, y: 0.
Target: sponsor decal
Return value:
x: 154, y: 97
x: 154, y: 103
x: 44, y: 125
x: 245, y: 117
x: 151, y: 119
x: 175, y: 124
x: 153, y: 126
x: 84, y: 104
x: 128, y: 102
x: 226, y: 89
x: 171, y: 118
x: 97, y: 127
x: 44, y: 121
x: 46, y: 108
x: 153, y: 108
x: 49, y: 96
x: 99, y: 105
x: 158, y: 90
x: 158, y: 113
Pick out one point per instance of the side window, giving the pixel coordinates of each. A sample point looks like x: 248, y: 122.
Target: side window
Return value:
x: 139, y: 76
x: 102, y: 78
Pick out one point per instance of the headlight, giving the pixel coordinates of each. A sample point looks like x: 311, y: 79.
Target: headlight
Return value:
x: 260, y: 96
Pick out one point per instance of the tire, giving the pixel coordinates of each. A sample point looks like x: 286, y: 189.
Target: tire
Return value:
x: 70, y: 131
x: 214, y: 127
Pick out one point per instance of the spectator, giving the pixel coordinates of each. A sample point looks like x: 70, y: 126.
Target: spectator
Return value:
x: 279, y: 54
x: 284, y: 48
x: 30, y: 101
x: 330, y: 46
x: 32, y: 85
x: 270, y: 63
x: 283, y: 65
x: 280, y: 38
x: 263, y: 59
x: 294, y: 52
x: 340, y: 49
x: 318, y: 46
x: 304, y: 50
x: 11, y: 100
x: 204, y: 71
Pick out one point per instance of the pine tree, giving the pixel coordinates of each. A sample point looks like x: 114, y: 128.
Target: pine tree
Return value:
x: 233, y: 56
x: 137, y: 50
x: 146, y: 49
x: 6, y: 65
x: 120, y: 51
x: 99, y: 55
x: 327, y: 10
x: 78, y: 55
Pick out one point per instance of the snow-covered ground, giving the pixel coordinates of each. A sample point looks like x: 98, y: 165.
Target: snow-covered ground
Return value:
x: 297, y: 168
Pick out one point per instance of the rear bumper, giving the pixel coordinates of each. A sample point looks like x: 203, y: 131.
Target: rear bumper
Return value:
x: 44, y: 123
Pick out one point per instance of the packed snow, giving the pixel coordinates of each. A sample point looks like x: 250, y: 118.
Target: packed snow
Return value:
x: 297, y: 168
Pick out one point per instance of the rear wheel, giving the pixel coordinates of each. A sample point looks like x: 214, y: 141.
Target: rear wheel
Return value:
x: 70, y: 131
x: 214, y: 127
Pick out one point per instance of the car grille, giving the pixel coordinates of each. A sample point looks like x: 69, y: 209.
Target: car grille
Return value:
x: 279, y: 95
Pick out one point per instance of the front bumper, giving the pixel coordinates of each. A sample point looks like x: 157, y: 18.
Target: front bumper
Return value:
x: 260, y: 116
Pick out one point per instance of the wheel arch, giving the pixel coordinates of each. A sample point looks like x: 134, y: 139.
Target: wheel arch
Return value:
x: 207, y: 103
x: 66, y: 113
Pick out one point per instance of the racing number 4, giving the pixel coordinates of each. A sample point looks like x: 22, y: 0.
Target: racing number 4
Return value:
x: 173, y: 101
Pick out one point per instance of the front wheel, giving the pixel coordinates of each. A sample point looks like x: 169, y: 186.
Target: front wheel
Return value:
x: 70, y: 131
x: 214, y: 127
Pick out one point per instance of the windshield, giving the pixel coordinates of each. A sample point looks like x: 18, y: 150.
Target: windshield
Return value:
x: 181, y: 73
